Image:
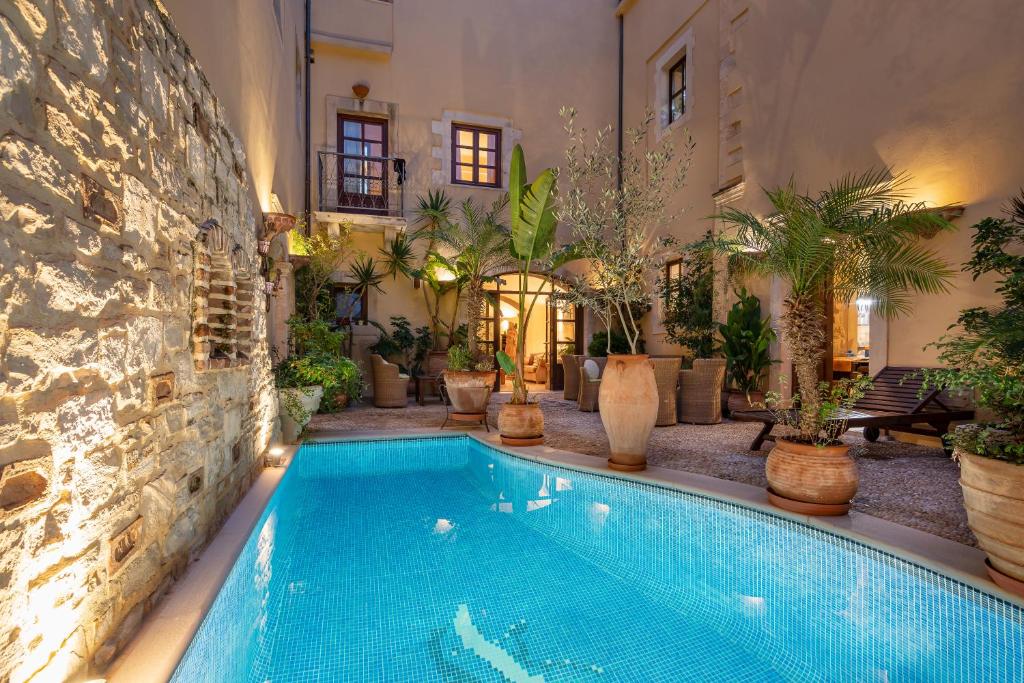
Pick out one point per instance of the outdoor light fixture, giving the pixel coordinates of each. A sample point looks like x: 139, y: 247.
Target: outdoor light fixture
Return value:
x: 361, y: 90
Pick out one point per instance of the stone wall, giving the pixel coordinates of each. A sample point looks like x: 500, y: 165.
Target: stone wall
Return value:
x: 128, y: 427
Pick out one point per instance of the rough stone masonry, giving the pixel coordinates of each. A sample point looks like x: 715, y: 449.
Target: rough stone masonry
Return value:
x: 136, y: 395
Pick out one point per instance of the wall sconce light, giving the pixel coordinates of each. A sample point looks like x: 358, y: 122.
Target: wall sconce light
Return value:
x: 275, y: 223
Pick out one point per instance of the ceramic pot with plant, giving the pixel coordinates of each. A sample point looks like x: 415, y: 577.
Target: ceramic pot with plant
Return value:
x: 858, y: 238
x: 297, y: 402
x: 532, y: 235
x: 986, y: 349
x: 615, y: 219
x: 468, y: 385
x: 746, y: 346
x: 629, y: 409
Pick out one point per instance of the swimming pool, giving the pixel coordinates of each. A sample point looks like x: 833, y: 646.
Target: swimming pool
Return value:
x: 441, y: 559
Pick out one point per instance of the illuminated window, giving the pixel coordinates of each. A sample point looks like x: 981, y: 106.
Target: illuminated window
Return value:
x: 476, y: 155
x: 677, y: 90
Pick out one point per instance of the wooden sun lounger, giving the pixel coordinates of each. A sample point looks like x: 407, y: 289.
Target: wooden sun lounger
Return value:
x: 891, y: 403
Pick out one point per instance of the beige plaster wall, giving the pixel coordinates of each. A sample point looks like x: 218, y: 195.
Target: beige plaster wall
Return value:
x: 519, y: 62
x: 822, y: 88
x: 120, y: 454
x: 255, y: 65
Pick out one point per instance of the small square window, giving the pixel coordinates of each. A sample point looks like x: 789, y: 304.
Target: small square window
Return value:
x: 677, y: 90
x: 476, y: 156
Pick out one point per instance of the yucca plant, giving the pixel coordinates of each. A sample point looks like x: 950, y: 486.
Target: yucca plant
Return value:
x: 477, y: 244
x: 858, y: 238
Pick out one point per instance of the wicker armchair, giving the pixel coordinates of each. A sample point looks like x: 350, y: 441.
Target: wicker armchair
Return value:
x: 666, y: 375
x: 571, y: 372
x: 700, y: 391
x: 589, y: 385
x: 390, y: 385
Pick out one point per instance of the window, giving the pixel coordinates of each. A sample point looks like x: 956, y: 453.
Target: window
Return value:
x: 677, y: 90
x: 476, y: 155
x: 350, y: 306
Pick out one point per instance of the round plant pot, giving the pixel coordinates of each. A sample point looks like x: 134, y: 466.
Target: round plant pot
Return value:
x: 629, y: 408
x: 468, y: 390
x: 738, y: 400
x: 994, y: 498
x: 521, y: 424
x: 811, y: 480
x: 309, y: 399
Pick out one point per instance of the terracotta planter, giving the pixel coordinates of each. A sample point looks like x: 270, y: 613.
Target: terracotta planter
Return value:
x: 521, y: 425
x: 469, y: 390
x: 822, y: 476
x: 737, y: 400
x: 994, y: 498
x: 629, y: 409
x: 290, y: 429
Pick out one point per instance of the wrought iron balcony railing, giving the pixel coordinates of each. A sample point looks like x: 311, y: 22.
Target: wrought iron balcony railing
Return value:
x: 351, y: 183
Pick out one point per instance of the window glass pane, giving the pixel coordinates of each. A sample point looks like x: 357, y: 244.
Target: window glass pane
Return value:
x: 373, y: 131
x: 353, y: 185
x: 676, y: 107
x: 488, y: 141
x: 464, y: 137
x: 374, y: 149
x: 353, y: 167
x: 375, y: 187
x: 353, y: 147
x: 374, y: 169
x: 465, y: 155
x: 487, y: 175
x: 486, y: 158
x: 352, y: 129
x: 464, y: 173
x: 676, y: 78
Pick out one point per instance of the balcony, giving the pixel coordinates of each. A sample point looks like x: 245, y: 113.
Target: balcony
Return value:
x: 364, y: 191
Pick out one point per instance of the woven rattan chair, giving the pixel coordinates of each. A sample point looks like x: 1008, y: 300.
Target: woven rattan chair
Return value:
x: 590, y: 385
x: 571, y: 372
x: 666, y: 374
x: 390, y: 385
x: 700, y: 392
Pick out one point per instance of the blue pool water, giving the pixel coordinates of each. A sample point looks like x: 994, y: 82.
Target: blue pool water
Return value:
x: 444, y: 560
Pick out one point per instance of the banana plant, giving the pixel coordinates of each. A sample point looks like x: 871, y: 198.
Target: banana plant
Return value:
x: 532, y: 224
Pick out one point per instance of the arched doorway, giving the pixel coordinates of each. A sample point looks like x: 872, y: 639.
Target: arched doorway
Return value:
x: 555, y: 327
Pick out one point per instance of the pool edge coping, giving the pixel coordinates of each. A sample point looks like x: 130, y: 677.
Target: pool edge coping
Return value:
x: 167, y: 631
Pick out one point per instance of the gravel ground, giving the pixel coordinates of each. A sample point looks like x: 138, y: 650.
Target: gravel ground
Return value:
x: 911, y: 485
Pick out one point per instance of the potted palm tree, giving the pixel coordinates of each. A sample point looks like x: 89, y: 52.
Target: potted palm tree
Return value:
x: 985, y: 357
x: 858, y: 238
x: 746, y: 345
x: 533, y: 222
x: 615, y: 203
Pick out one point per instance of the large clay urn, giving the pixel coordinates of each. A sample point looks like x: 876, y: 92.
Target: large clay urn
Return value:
x: 469, y: 390
x: 809, y: 479
x: 994, y: 498
x: 629, y: 408
x: 521, y: 424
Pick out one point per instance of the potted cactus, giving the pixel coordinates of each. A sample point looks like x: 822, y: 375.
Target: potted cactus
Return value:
x: 984, y: 356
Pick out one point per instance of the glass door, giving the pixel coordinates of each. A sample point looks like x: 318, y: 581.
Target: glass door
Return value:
x: 362, y: 164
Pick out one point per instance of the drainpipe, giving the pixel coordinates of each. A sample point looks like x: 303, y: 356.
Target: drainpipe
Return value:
x: 306, y: 135
x: 618, y: 127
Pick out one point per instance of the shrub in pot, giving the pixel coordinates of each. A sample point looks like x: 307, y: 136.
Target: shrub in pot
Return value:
x: 297, y: 401
x: 856, y: 239
x: 468, y: 384
x: 984, y: 355
x: 615, y: 203
x: 746, y: 346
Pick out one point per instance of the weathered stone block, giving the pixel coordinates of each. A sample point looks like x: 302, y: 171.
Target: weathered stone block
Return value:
x: 16, y: 70
x: 83, y: 35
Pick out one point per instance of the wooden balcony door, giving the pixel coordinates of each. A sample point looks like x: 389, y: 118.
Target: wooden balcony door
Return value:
x: 362, y: 164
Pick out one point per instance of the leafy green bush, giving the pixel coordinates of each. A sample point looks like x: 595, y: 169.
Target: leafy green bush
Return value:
x: 409, y: 346
x: 746, y: 342
x: 315, y: 338
x: 341, y: 379
x: 984, y: 356
x: 688, y: 314
x: 598, y: 345
x: 459, y: 358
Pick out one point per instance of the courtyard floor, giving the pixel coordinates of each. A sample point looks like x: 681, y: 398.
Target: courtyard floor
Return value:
x: 912, y: 485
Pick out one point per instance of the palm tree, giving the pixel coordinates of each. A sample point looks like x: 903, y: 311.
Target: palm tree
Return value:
x: 858, y: 238
x: 478, y: 243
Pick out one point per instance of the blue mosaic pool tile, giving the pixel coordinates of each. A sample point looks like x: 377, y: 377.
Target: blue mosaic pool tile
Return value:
x: 441, y: 559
